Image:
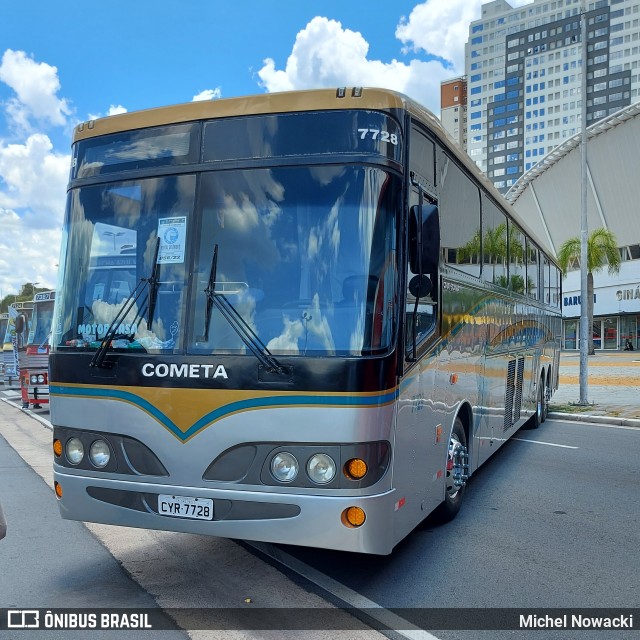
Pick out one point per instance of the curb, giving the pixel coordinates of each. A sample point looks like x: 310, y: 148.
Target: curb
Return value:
x: 585, y: 417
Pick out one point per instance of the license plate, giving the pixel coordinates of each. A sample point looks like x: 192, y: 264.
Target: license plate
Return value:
x: 185, y: 507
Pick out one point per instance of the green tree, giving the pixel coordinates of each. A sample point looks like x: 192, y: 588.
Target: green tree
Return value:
x: 602, y: 251
x: 27, y: 292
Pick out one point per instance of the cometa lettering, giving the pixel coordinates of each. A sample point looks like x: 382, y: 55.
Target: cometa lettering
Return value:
x: 150, y: 370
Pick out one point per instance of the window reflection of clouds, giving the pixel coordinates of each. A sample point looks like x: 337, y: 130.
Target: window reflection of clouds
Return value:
x: 295, y: 333
x: 296, y: 235
x: 115, y: 231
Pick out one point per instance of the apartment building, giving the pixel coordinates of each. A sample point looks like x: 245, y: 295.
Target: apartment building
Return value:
x: 453, y: 108
x: 523, y: 69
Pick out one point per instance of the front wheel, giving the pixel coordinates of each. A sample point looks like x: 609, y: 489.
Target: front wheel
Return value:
x: 457, y: 473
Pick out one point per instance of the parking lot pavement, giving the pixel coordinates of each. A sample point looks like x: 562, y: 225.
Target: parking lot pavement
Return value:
x: 613, y: 380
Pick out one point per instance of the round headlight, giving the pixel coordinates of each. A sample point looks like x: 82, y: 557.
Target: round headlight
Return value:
x: 99, y: 454
x: 34, y: 379
x: 75, y: 450
x: 284, y: 467
x: 321, y: 468
x: 41, y: 378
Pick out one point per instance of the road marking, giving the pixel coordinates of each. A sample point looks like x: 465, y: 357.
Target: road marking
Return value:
x: 549, y: 444
x: 349, y: 597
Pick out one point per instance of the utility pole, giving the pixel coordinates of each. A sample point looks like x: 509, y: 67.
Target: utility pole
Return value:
x: 584, y: 232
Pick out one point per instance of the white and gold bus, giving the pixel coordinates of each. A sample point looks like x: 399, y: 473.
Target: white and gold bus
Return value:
x: 302, y: 318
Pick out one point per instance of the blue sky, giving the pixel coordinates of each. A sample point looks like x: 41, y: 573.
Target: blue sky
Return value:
x: 63, y: 62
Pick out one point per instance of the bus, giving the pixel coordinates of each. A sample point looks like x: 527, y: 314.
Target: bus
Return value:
x: 15, y: 338
x: 324, y: 322
x: 34, y: 370
x: 4, y: 321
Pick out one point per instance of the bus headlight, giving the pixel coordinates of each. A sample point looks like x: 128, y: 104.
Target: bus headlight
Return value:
x: 41, y: 379
x: 75, y: 450
x: 99, y: 454
x: 321, y: 468
x: 34, y: 379
x: 284, y: 467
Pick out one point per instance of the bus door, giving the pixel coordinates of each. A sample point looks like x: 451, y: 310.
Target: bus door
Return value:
x: 419, y: 440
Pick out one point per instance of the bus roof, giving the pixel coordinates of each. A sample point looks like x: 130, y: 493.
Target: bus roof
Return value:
x: 309, y: 100
x: 288, y: 101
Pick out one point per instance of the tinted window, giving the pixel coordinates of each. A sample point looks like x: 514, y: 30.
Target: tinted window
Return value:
x: 459, y: 206
x: 295, y: 134
x: 158, y: 146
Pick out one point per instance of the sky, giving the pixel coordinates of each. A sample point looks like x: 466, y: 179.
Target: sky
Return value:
x: 63, y: 62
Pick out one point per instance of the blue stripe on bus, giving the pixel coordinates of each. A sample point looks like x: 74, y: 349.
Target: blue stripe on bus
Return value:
x: 221, y: 412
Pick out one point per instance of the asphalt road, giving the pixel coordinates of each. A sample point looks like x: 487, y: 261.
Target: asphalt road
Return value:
x: 553, y: 520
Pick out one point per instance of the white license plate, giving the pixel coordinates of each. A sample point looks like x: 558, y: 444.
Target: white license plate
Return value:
x: 185, y: 507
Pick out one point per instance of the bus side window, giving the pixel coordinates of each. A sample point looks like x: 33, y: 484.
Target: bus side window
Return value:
x: 423, y: 321
x: 459, y: 204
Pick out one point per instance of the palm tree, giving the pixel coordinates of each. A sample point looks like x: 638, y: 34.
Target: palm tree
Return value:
x: 602, y: 250
x: 491, y: 249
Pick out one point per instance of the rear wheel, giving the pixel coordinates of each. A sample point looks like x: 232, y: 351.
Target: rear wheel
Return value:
x: 457, y: 473
x: 540, y: 414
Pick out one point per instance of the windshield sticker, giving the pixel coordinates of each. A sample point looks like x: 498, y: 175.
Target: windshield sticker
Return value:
x: 173, y: 234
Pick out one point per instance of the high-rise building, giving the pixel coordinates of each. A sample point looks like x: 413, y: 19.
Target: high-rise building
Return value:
x: 453, y: 109
x: 524, y: 67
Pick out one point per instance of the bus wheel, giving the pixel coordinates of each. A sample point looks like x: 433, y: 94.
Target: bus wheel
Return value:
x: 547, y: 399
x: 540, y: 414
x: 457, y: 473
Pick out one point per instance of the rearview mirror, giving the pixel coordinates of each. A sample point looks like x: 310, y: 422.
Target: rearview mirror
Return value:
x: 427, y: 255
x: 19, y: 323
x: 420, y: 286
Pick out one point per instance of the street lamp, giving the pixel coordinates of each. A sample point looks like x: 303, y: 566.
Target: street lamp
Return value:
x: 584, y: 229
x: 112, y: 234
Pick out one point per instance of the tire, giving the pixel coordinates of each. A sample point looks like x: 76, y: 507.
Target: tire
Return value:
x: 540, y: 413
x: 547, y: 397
x: 454, y: 495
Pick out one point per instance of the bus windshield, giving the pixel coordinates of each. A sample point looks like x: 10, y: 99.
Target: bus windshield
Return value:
x: 306, y: 256
x: 42, y: 320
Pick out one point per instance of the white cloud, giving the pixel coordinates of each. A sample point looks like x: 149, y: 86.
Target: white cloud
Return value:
x: 32, y: 198
x: 26, y: 254
x: 318, y: 58
x: 447, y: 41
x: 36, y: 86
x: 208, y: 94
x: 439, y: 28
x: 112, y: 111
x: 33, y: 178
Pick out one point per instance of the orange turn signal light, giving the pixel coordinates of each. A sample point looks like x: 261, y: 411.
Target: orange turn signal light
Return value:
x: 355, y: 469
x: 57, y: 447
x: 353, y: 517
x: 58, y: 489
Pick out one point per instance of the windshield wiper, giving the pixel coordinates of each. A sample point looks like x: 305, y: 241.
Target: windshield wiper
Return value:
x: 127, y: 306
x: 210, y: 291
x: 153, y: 285
x: 248, y: 336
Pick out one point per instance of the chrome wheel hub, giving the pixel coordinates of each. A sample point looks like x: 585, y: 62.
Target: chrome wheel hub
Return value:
x: 457, y: 466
